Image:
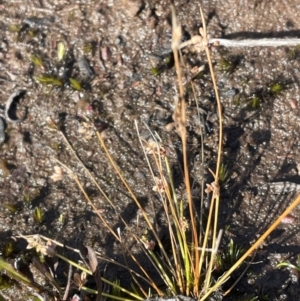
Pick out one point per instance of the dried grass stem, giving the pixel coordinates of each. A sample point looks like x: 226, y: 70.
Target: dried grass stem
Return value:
x: 256, y: 42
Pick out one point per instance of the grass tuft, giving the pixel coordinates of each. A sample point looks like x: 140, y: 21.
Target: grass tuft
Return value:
x: 295, y: 267
x: 276, y: 88
x: 226, y: 259
x: 254, y: 102
x: 226, y: 65
x: 38, y: 215
x: 48, y: 80
x: 75, y: 84
x: 9, y: 248
x: 36, y: 60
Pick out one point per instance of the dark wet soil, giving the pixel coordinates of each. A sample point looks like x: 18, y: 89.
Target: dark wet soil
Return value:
x: 119, y: 52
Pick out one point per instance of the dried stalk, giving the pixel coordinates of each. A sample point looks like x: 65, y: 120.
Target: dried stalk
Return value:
x: 255, y: 42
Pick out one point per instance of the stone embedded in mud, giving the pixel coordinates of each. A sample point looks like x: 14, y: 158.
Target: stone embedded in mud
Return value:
x: 293, y: 104
x: 170, y: 126
x: 4, y: 170
x: 38, y: 22
x: 133, y: 7
x: 84, y: 67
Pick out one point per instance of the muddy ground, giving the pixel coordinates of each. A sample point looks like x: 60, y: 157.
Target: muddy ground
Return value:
x: 131, y: 77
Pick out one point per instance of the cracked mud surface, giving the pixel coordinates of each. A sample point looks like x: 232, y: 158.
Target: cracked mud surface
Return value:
x: 127, y: 46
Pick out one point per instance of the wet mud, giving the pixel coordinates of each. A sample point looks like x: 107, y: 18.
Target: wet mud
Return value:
x: 116, y: 67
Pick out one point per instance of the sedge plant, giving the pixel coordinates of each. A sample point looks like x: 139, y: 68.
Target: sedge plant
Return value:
x: 189, y: 270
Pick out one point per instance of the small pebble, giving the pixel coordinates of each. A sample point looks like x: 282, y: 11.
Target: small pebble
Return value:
x: 135, y: 84
x: 84, y: 108
x: 289, y: 219
x: 197, y: 69
x: 298, y: 168
x: 293, y: 104
x: 152, y: 22
x: 169, y: 127
x: 120, y: 59
x: 2, y: 133
x: 105, y: 53
x: 105, y: 134
x: 119, y: 41
x: 229, y: 93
